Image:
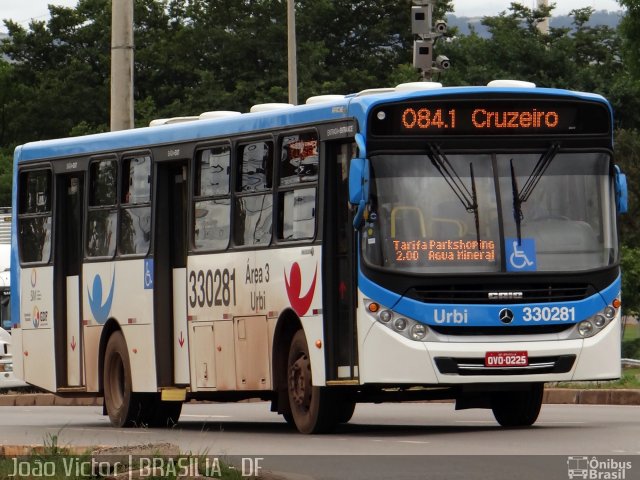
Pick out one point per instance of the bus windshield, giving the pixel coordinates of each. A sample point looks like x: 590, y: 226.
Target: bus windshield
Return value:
x: 444, y: 213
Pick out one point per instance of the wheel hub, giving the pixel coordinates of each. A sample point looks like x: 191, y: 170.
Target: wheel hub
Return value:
x: 300, y: 381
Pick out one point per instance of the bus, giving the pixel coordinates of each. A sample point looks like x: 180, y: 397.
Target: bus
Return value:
x: 7, y: 377
x: 412, y: 243
x: 5, y: 262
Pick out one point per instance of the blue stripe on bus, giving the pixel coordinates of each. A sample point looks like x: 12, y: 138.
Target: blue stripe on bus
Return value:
x: 182, y: 132
x: 488, y: 314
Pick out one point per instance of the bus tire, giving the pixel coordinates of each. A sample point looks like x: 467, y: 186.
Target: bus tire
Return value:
x: 519, y: 408
x: 311, y: 407
x: 124, y: 407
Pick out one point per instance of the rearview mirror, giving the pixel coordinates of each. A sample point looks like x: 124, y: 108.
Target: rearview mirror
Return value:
x: 621, y: 191
x: 359, y: 176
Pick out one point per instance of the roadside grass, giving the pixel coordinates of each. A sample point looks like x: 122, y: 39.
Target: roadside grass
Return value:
x: 631, y: 332
x: 630, y: 379
x: 54, y: 462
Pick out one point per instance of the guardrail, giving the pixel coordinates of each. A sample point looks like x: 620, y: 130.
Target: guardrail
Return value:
x: 630, y: 362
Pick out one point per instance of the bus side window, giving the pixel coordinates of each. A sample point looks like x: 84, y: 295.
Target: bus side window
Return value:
x: 35, y: 217
x: 212, y: 201
x: 255, y: 162
x: 136, y: 180
x: 298, y: 174
x: 102, y: 214
x: 135, y: 214
x: 254, y: 201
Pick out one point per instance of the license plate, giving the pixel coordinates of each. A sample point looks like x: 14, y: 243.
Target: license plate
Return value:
x: 506, y: 359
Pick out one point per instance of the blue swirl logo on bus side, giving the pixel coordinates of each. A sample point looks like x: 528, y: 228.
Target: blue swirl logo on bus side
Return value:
x: 101, y: 310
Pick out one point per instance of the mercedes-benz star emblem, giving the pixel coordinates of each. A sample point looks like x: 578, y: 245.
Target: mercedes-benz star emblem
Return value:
x: 506, y: 316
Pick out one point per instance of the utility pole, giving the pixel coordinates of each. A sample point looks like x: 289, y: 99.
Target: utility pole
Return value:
x: 291, y: 51
x: 121, y: 64
x: 543, y: 26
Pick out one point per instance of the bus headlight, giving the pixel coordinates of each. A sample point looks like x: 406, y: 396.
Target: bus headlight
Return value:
x: 585, y: 328
x: 600, y: 320
x: 418, y: 331
x: 596, y: 323
x: 402, y: 325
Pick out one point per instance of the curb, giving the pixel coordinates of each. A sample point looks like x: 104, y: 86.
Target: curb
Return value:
x: 47, y: 400
x: 591, y: 396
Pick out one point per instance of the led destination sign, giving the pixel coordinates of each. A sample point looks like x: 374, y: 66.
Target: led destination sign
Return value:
x: 481, y: 118
x: 492, y: 117
x: 456, y: 251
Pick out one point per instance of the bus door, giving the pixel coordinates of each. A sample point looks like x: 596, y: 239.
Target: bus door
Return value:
x: 67, y: 279
x: 339, y: 269
x: 170, y: 278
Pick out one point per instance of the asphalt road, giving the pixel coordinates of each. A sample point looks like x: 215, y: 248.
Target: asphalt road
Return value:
x: 396, y: 441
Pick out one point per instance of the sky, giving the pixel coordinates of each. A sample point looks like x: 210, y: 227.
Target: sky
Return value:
x: 22, y: 11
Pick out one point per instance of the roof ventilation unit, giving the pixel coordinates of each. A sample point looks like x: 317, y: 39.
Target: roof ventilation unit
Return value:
x: 511, y: 83
x: 417, y: 86
x: 374, y: 91
x: 218, y: 114
x: 169, y: 121
x: 267, y: 107
x: 324, y: 99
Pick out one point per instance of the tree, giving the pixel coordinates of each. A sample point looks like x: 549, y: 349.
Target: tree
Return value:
x: 626, y: 88
x: 582, y: 58
x: 627, y: 151
x: 60, y: 70
x: 630, y: 31
x: 630, y: 264
x: 199, y: 55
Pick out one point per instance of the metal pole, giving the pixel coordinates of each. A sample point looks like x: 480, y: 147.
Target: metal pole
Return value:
x: 543, y: 26
x: 121, y: 64
x: 291, y: 50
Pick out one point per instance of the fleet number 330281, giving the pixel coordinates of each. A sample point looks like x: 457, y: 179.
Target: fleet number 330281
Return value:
x: 548, y: 314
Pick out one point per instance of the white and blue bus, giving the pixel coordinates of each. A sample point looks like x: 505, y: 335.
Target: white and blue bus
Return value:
x: 409, y: 243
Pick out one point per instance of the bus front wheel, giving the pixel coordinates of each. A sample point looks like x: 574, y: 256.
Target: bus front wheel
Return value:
x: 311, y: 408
x: 518, y: 408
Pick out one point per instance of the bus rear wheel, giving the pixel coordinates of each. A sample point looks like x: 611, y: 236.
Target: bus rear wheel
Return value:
x: 311, y: 407
x: 118, y: 396
x: 125, y: 407
x: 518, y: 408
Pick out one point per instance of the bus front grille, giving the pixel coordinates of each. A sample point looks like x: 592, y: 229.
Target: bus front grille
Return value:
x: 502, y: 330
x: 476, y: 366
x: 504, y: 294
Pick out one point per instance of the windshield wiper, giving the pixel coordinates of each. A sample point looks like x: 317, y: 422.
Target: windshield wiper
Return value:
x: 469, y: 199
x: 519, y: 197
x: 517, y: 203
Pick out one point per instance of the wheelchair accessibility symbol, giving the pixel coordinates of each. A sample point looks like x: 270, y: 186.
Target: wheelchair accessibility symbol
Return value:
x: 521, y: 256
x: 148, y: 273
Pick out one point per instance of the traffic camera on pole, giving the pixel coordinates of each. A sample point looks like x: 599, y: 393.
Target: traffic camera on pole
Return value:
x: 426, y: 34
